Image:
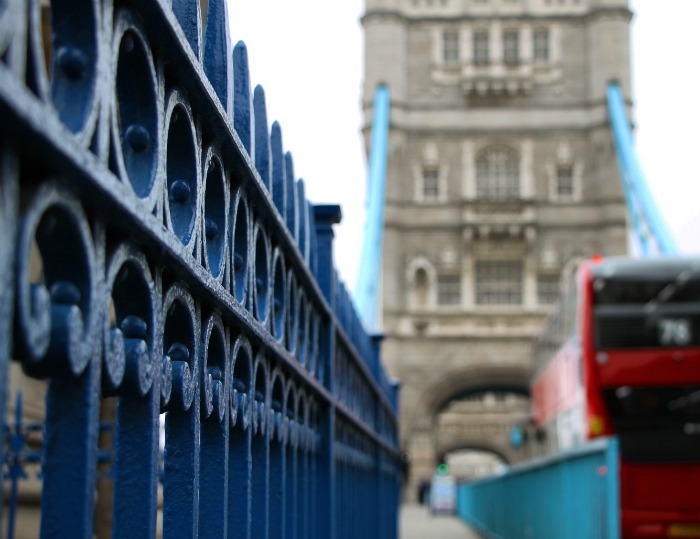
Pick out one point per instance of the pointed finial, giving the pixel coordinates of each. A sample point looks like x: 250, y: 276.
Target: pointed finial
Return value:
x: 242, y: 113
x: 217, y: 61
x: 262, y: 141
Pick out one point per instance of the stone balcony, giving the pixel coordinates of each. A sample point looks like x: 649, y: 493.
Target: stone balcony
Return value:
x: 497, y: 79
x: 496, y: 218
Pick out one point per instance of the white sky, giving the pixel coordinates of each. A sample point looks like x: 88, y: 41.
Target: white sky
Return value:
x: 308, y: 55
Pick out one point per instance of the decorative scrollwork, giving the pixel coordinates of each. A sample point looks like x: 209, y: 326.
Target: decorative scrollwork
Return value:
x: 214, y: 368
x: 136, y: 108
x: 129, y: 332
x: 279, y: 295
x: 240, y: 241
x: 56, y: 283
x: 181, y: 344
x: 216, y: 210
x: 260, y: 396
x: 241, y: 383
x: 182, y: 169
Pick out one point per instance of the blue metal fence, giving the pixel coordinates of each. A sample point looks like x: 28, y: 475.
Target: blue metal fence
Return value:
x: 573, y: 495
x: 156, y: 249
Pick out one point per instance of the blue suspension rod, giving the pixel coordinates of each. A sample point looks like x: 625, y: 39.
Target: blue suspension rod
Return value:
x: 644, y: 214
x: 369, y: 273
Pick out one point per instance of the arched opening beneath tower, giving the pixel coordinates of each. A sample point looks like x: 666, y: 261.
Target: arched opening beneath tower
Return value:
x: 470, y: 408
x: 470, y: 464
x: 475, y: 430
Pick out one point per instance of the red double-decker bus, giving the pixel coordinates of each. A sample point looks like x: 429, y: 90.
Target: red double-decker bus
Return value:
x: 620, y: 356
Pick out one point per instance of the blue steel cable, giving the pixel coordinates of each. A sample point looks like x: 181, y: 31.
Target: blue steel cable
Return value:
x: 637, y: 193
x: 369, y: 272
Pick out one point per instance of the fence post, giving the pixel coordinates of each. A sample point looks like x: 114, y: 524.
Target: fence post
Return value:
x: 327, y: 215
x: 9, y: 171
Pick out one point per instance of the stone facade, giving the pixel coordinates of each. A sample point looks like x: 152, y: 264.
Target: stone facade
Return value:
x: 501, y: 177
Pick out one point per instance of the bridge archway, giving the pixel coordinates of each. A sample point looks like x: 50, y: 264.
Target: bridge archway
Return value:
x: 467, y: 414
x: 455, y: 385
x: 477, y: 446
x: 468, y: 464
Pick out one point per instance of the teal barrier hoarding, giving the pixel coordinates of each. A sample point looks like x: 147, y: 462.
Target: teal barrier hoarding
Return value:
x: 574, y: 495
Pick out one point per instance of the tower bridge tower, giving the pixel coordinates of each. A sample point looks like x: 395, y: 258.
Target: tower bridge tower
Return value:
x: 501, y: 176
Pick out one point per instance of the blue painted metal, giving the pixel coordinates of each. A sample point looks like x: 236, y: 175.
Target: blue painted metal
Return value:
x: 369, y: 274
x: 648, y: 225
x: 23, y: 461
x: 157, y: 249
x: 19, y: 456
x: 573, y: 495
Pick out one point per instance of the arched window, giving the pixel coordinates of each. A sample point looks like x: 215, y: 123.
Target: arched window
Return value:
x: 420, y: 283
x: 498, y: 174
x: 421, y: 288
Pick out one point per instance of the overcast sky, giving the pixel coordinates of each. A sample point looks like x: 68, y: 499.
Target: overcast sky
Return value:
x: 308, y: 55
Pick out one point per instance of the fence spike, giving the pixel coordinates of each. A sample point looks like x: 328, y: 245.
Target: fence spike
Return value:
x: 217, y: 43
x: 189, y: 16
x: 262, y: 140
x: 302, y: 225
x: 292, y: 208
x: 279, y: 187
x: 242, y: 109
x: 314, y: 241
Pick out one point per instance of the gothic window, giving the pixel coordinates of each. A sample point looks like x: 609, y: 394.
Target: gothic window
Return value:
x: 511, y: 53
x: 449, y: 289
x: 499, y: 282
x: 420, y: 283
x: 481, y: 48
x: 431, y: 183
x: 421, y: 288
x: 540, y: 42
x: 548, y: 288
x: 565, y: 181
x: 450, y: 47
x: 497, y: 174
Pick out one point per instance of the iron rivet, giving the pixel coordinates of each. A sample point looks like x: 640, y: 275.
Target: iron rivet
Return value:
x: 138, y: 137
x: 180, y: 191
x: 211, y: 228
x: 128, y: 43
x: 134, y: 327
x: 73, y: 62
x: 178, y: 352
x: 65, y: 293
x: 238, y: 262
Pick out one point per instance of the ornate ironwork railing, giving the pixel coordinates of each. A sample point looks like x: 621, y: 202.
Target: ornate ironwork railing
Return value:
x: 156, y: 252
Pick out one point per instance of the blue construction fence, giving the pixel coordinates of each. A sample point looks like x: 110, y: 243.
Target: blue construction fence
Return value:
x: 573, y: 495
x: 159, y: 257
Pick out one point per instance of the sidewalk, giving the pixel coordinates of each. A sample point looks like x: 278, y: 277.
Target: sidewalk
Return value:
x: 417, y: 523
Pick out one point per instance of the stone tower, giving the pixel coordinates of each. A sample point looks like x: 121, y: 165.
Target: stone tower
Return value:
x: 501, y: 177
